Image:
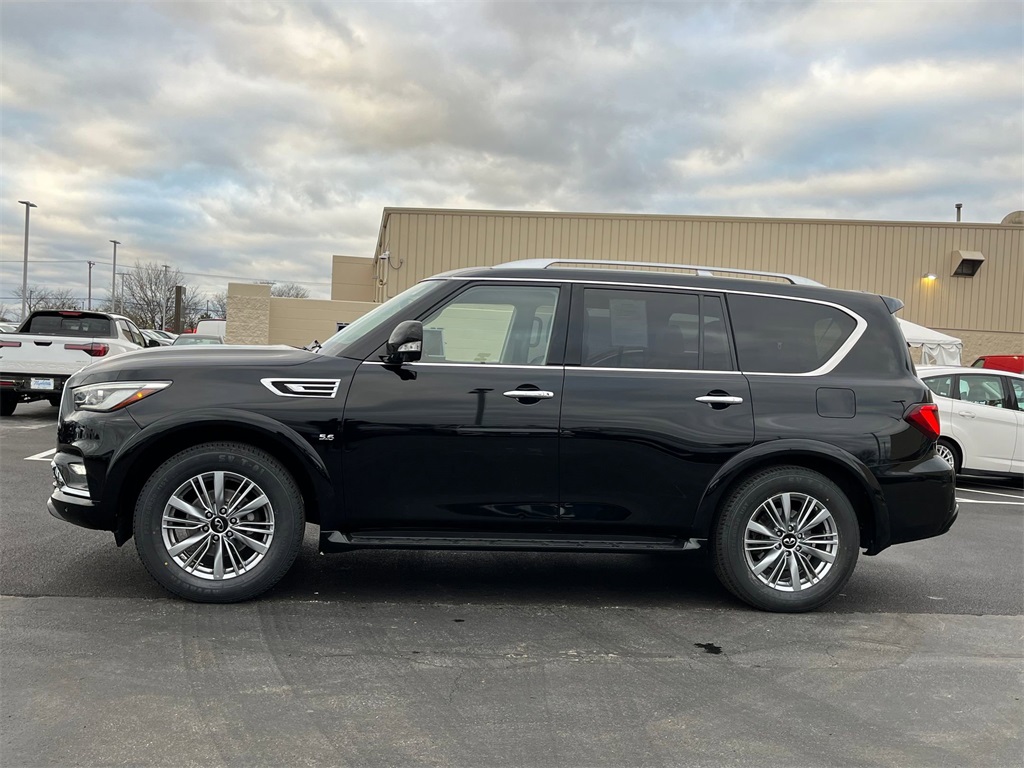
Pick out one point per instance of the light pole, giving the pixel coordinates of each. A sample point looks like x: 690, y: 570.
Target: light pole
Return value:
x: 91, y: 265
x: 113, y: 279
x: 24, y: 270
x: 163, y: 302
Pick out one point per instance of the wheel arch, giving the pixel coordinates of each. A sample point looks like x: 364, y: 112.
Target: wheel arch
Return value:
x: 841, y: 467
x: 139, y: 457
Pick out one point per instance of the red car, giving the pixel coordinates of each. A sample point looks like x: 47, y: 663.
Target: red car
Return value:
x: 1012, y: 363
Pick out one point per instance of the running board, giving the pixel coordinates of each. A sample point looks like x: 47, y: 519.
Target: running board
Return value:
x: 336, y: 541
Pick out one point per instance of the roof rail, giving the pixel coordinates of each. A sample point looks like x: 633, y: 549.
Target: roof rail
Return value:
x: 702, y: 271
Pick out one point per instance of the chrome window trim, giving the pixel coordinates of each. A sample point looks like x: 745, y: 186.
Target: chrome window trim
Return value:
x: 827, y: 367
x: 649, y: 370
x: 421, y: 364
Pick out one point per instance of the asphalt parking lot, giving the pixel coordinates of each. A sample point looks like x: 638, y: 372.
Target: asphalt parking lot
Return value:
x: 499, y: 659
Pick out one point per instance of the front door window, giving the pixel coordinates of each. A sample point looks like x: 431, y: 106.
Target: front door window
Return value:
x: 507, y: 325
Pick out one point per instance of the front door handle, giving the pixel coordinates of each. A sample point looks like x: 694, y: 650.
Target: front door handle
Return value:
x: 529, y: 394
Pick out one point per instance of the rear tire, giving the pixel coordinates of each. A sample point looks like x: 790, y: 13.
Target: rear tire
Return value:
x: 219, y: 523
x: 54, y: 401
x: 8, y: 402
x: 787, y: 540
x: 946, y: 449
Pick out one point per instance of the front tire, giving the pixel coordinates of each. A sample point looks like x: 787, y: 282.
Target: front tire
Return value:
x: 219, y: 523
x: 787, y: 540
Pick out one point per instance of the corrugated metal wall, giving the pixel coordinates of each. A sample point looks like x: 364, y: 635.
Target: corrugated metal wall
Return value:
x: 879, y: 257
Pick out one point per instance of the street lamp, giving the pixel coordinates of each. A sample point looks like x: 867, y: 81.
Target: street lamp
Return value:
x: 91, y: 265
x: 113, y: 279
x: 24, y: 269
x: 163, y: 302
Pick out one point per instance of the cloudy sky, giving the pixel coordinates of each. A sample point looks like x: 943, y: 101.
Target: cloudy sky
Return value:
x: 253, y: 140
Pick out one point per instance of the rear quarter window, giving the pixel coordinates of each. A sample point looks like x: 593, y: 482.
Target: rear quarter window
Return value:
x: 776, y: 335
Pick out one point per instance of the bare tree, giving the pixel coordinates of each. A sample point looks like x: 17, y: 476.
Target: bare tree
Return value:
x: 289, y: 291
x: 146, y: 295
x: 218, y: 304
x: 49, y: 298
x: 7, y: 313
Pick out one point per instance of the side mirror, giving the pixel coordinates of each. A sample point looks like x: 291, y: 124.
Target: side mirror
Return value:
x: 405, y: 344
x: 152, y: 343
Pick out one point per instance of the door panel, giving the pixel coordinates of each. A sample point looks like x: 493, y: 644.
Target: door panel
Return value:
x: 456, y: 439
x: 638, y: 450
x: 638, y: 447
x: 986, y: 427
x: 439, y: 446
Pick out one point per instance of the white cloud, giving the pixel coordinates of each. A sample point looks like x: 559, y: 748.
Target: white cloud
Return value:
x: 257, y: 139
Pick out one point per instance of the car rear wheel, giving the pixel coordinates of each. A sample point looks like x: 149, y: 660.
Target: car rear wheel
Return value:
x: 787, y: 540
x: 219, y: 523
x: 8, y: 402
x: 945, y: 449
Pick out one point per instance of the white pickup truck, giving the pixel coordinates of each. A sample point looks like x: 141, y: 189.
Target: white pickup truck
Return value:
x: 51, y: 345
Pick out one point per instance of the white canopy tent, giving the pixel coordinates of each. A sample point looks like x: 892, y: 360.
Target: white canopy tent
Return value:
x: 936, y: 348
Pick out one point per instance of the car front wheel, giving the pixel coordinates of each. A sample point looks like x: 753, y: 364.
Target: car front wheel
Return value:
x: 787, y: 540
x: 219, y: 522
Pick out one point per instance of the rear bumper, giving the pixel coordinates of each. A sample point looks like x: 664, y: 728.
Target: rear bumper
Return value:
x: 921, y: 500
x: 21, y: 384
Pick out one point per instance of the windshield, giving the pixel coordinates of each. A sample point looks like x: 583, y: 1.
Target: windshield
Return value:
x: 390, y: 308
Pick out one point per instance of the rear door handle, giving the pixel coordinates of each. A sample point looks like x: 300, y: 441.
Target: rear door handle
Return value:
x: 531, y: 394
x: 719, y: 399
x: 965, y: 414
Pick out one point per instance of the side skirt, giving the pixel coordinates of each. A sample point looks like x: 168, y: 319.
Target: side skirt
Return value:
x: 336, y: 541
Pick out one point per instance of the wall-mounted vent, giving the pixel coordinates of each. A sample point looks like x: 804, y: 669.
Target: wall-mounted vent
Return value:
x: 967, y: 263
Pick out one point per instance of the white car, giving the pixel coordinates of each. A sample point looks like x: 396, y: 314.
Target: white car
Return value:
x: 981, y: 415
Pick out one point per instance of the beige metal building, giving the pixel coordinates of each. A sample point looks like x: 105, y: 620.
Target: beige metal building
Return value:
x: 976, y: 292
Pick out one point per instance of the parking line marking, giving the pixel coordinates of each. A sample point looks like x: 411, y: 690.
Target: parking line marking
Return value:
x: 44, y: 456
x: 985, y: 501
x: 993, y: 493
x: 28, y: 426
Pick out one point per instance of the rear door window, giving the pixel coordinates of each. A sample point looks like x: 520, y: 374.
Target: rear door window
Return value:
x: 982, y: 389
x: 776, y: 335
x: 666, y: 330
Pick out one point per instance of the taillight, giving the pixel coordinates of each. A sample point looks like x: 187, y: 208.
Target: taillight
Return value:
x: 9, y: 343
x: 924, y: 416
x: 92, y: 350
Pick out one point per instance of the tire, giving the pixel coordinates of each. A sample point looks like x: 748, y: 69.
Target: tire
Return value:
x: 948, y: 450
x: 740, y: 560
x: 8, y: 402
x: 54, y: 401
x: 197, y: 572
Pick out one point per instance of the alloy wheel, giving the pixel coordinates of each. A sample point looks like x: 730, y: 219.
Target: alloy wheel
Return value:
x: 791, y: 542
x: 218, y: 525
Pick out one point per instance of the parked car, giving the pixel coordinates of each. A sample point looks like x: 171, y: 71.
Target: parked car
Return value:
x: 780, y: 424
x: 1014, y: 363
x: 982, y: 417
x: 196, y: 338
x: 8, y: 327
x: 150, y: 335
x: 214, y: 327
x: 51, y: 344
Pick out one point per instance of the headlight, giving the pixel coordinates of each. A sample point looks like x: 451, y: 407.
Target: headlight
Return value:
x: 111, y: 395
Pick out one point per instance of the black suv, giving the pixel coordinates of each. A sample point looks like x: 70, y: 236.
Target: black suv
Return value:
x: 541, y: 405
